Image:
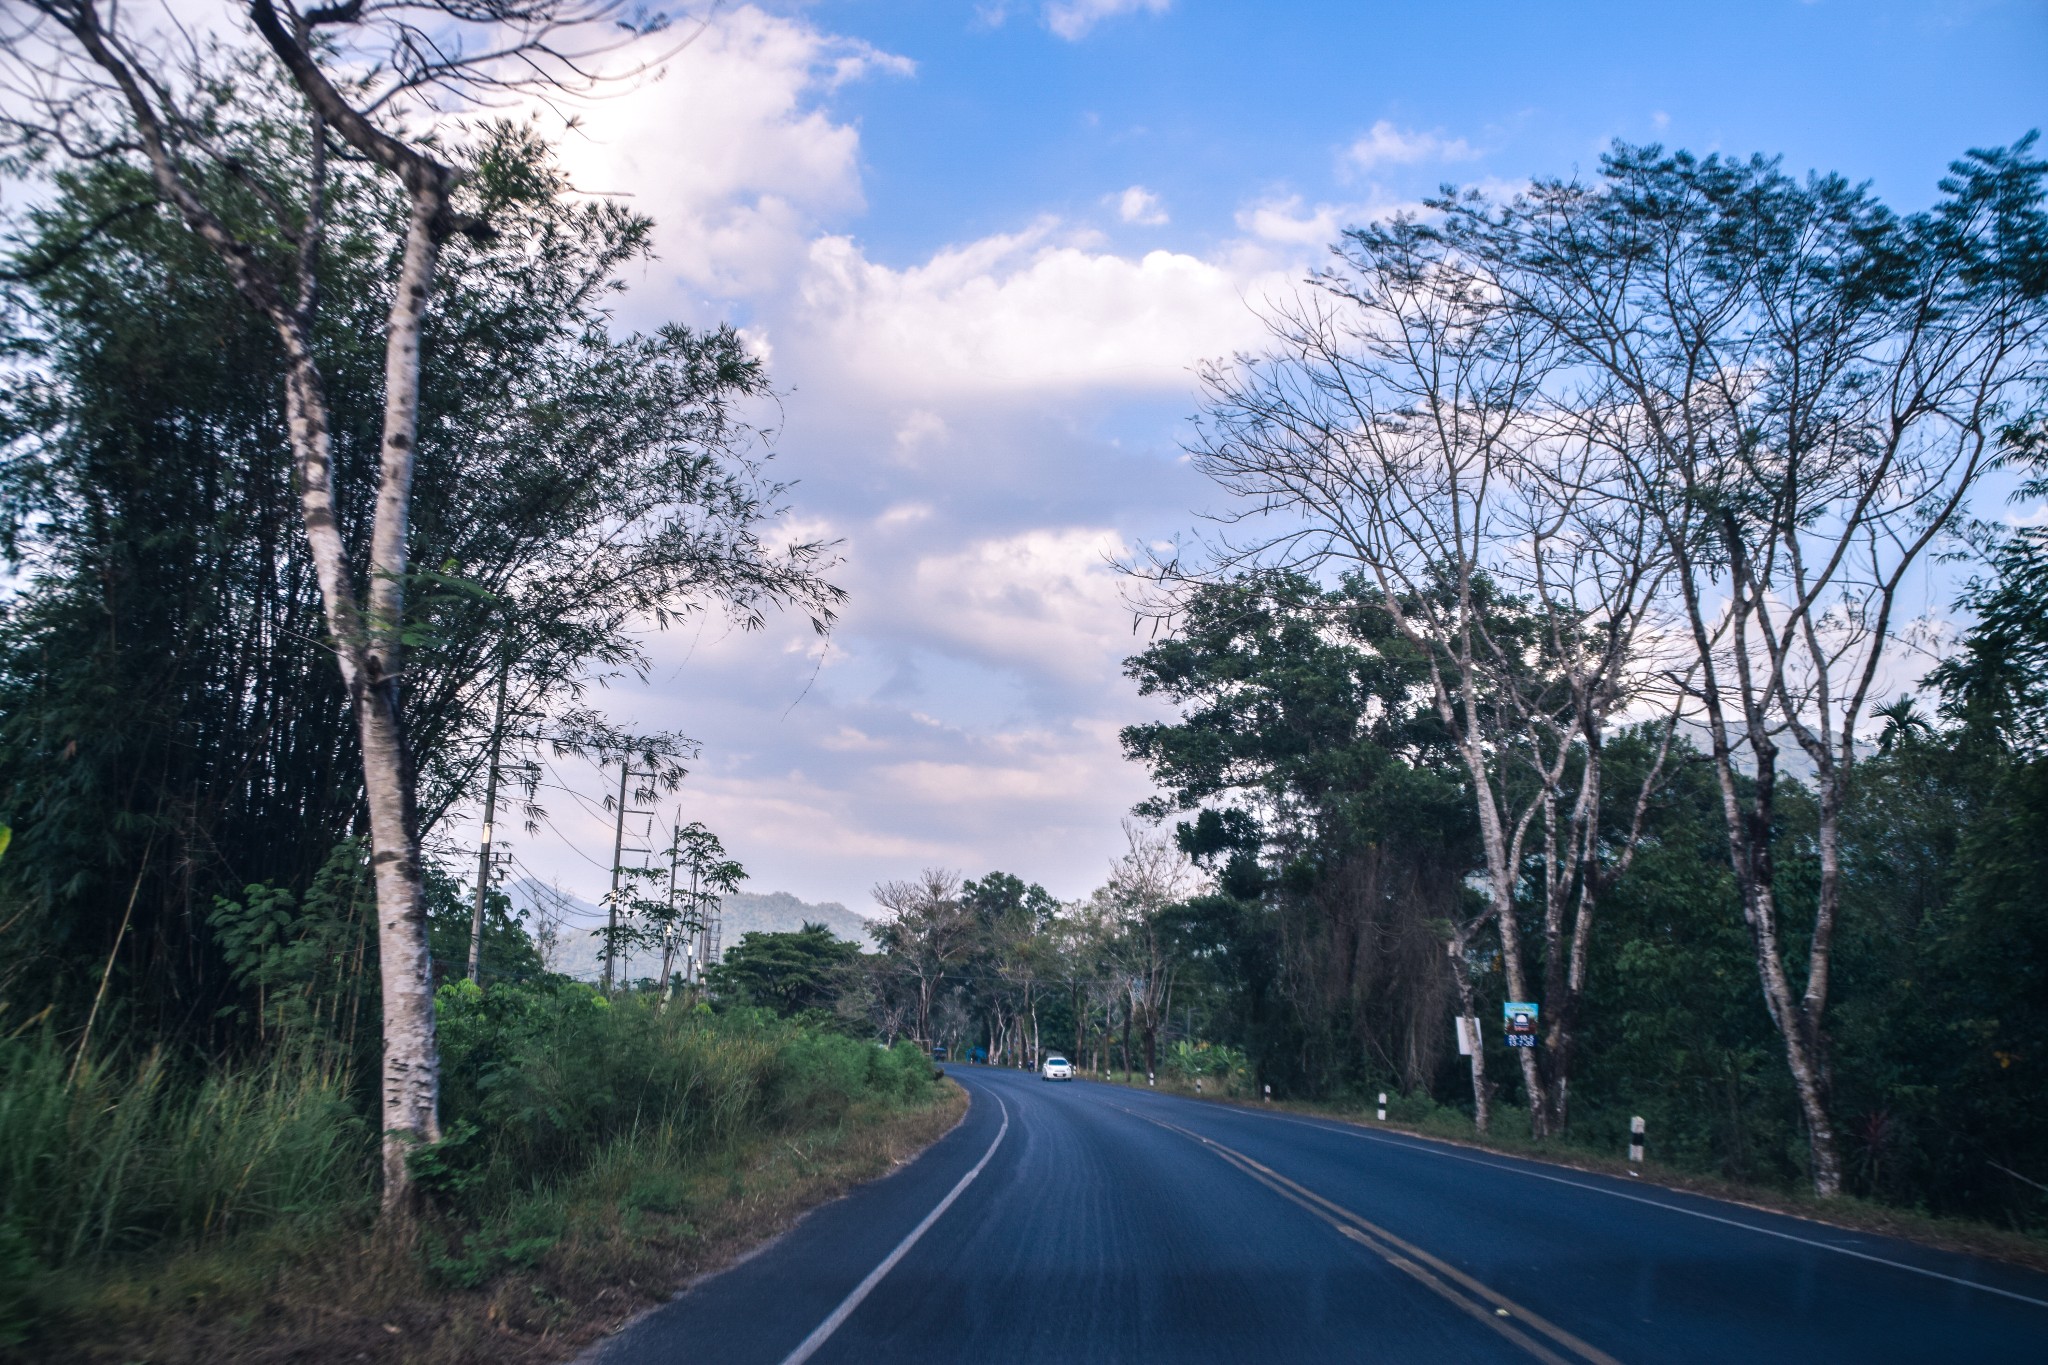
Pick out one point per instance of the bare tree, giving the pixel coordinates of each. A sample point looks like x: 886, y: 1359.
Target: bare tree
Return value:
x: 1798, y: 390
x: 927, y: 934
x: 1152, y: 876
x: 1398, y: 429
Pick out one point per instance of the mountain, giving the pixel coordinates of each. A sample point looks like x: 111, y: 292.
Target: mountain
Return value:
x: 575, y: 950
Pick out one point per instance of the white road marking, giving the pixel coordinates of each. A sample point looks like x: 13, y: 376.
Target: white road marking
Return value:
x: 1423, y: 1146
x: 825, y: 1329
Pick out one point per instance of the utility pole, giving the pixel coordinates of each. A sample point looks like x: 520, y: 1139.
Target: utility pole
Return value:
x: 483, y: 852
x: 611, y: 936
x: 669, y: 933
x: 619, y: 851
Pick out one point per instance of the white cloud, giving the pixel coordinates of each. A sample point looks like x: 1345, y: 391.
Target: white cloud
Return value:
x: 916, y: 433
x: 1139, y: 205
x: 1072, y: 19
x: 1047, y: 601
x: 1386, y: 145
x: 728, y: 152
x: 1016, y: 311
x: 1287, y: 221
x: 904, y: 514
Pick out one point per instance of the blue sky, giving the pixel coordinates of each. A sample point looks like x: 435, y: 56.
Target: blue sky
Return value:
x: 983, y: 247
x: 1208, y: 102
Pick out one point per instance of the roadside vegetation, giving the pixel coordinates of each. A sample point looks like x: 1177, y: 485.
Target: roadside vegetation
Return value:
x: 329, y: 492
x: 597, y: 1151
x: 1571, y: 633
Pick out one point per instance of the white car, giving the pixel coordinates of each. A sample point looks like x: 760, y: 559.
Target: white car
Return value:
x: 1057, y: 1069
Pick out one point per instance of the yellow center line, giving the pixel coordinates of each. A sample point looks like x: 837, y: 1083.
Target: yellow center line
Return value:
x: 1494, y: 1309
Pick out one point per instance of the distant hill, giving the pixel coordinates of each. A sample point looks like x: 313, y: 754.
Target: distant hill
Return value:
x: 576, y: 950
x: 778, y: 912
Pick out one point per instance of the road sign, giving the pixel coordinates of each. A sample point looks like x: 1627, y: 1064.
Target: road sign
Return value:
x: 1521, y: 1022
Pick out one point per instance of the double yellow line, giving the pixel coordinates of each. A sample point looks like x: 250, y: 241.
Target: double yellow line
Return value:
x: 1502, y: 1314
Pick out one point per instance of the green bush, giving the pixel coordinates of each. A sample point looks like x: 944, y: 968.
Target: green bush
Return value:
x: 544, y: 1083
x: 539, y: 1078
x: 1188, y: 1060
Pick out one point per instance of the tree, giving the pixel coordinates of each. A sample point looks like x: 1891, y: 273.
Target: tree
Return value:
x: 1335, y: 813
x: 927, y: 934
x: 1010, y: 922
x: 96, y: 94
x: 713, y: 876
x: 1398, y: 428
x: 1798, y: 389
x: 789, y: 973
x: 1145, y: 884
x: 169, y: 720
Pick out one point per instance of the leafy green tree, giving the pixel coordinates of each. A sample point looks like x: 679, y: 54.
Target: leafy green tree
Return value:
x: 790, y: 973
x: 171, y: 726
x: 1330, y: 800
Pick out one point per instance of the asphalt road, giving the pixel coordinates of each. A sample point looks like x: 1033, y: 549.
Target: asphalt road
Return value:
x: 1084, y: 1222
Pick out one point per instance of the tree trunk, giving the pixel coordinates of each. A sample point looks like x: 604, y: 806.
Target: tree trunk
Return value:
x: 1461, y: 975
x: 412, y: 1081
x: 1750, y: 852
x: 1518, y: 986
x: 1080, y: 1029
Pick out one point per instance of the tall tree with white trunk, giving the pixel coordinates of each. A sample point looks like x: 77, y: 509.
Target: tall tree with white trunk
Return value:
x: 369, y: 81
x: 1398, y: 428
x: 1797, y: 391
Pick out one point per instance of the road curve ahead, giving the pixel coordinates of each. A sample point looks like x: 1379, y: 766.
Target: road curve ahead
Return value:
x: 1084, y: 1222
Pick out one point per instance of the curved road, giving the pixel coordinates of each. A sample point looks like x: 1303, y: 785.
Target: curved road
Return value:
x: 1084, y: 1222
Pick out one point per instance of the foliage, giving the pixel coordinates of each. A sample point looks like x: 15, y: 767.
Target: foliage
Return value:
x: 539, y: 1077
x: 137, y: 1157
x: 789, y: 973
x: 1188, y: 1060
x: 170, y: 720
x: 111, y: 1155
x: 1326, y: 791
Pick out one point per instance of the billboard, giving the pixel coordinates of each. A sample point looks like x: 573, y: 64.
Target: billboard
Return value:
x: 1520, y: 1016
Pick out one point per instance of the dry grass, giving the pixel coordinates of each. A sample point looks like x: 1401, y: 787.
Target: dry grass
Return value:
x: 627, y: 1234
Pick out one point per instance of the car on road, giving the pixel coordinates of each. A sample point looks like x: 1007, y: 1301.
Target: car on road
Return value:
x: 1057, y: 1069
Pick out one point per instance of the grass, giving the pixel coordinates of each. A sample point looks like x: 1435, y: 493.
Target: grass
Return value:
x: 100, y: 1158
x: 621, y: 1237
x: 1422, y: 1118
x: 595, y: 1151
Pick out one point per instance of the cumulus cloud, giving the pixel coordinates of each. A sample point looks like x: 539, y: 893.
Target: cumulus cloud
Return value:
x: 1023, y: 311
x: 1139, y: 205
x: 1386, y: 145
x: 1045, y: 600
x: 1072, y: 19
x: 729, y: 150
x: 940, y: 416
x: 1287, y: 221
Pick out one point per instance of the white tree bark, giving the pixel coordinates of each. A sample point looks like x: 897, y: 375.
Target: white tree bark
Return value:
x: 368, y: 645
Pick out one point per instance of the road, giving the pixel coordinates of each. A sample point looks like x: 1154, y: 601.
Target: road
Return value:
x: 1086, y: 1222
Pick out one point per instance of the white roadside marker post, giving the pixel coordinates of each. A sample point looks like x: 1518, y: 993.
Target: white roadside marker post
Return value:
x: 1635, y: 1142
x: 1269, y: 1094
x: 1198, y: 1085
x: 1383, y: 1106
x: 1150, y: 1082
